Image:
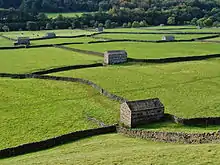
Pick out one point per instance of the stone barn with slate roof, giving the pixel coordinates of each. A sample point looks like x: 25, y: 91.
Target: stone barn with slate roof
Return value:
x: 22, y: 41
x: 115, y: 57
x: 50, y: 35
x: 134, y: 113
x: 168, y: 38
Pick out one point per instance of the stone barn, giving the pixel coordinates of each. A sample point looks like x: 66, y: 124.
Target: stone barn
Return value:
x: 100, y: 29
x: 115, y: 57
x: 22, y: 41
x: 168, y: 38
x: 50, y: 35
x: 134, y: 113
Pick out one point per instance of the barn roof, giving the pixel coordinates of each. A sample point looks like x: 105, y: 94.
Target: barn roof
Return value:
x: 116, y: 52
x: 141, y: 105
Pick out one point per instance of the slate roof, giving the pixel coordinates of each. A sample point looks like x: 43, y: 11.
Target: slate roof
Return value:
x: 143, y: 105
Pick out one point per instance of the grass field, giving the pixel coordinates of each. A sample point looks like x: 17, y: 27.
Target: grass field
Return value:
x: 5, y: 42
x: 120, y: 150
x: 153, y: 37
x: 74, y: 14
x: 28, y: 60
x: 173, y: 127
x: 152, y: 50
x: 32, y: 110
x: 188, y: 89
x: 37, y: 34
x: 62, y: 40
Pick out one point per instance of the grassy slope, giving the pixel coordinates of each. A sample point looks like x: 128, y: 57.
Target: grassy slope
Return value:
x: 5, y: 42
x: 32, y: 110
x: 27, y: 60
x: 37, y: 34
x: 116, y: 149
x: 152, y: 50
x: 189, y: 89
x: 148, y: 36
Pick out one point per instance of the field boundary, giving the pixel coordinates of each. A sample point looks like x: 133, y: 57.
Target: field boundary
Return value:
x: 66, y: 68
x: 174, y: 137
x: 56, y: 141
x: 67, y: 79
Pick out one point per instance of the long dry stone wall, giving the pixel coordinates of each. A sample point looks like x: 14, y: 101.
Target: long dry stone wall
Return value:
x: 53, y: 142
x: 177, y: 137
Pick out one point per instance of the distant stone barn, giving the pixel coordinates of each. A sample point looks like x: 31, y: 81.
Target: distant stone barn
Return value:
x: 50, y: 35
x: 168, y: 38
x: 22, y: 41
x: 115, y: 57
x: 100, y: 29
x: 134, y: 113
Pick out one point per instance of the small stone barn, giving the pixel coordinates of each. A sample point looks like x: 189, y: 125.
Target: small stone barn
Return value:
x: 50, y: 35
x: 115, y: 57
x: 100, y: 29
x: 168, y: 38
x: 134, y: 113
x: 22, y: 41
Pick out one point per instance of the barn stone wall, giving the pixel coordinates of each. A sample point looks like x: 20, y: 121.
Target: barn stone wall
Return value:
x: 147, y: 116
x: 115, y: 57
x: 125, y: 115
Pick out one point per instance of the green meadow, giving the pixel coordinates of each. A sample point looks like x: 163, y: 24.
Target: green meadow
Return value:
x: 117, y: 149
x: 41, y: 33
x: 154, y: 50
x: 74, y: 14
x: 33, y: 110
x: 188, y: 89
x: 30, y: 60
x: 153, y: 37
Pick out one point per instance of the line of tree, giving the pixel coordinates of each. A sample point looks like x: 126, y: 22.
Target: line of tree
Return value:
x: 178, y: 12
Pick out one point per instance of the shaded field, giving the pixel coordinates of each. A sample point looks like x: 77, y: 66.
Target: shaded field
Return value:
x: 154, y: 50
x: 117, y: 149
x: 188, y: 89
x: 173, y: 127
x: 37, y: 34
x: 29, y: 60
x: 34, y: 110
x: 153, y: 37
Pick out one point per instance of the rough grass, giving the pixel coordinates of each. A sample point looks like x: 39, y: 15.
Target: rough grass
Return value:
x: 155, y: 50
x: 173, y: 127
x: 153, y: 37
x: 28, y: 60
x: 33, y: 110
x: 120, y: 150
x: 189, y: 89
x: 37, y: 34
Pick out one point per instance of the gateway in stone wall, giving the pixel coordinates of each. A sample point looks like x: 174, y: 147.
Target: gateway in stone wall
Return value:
x: 134, y: 113
x: 115, y: 57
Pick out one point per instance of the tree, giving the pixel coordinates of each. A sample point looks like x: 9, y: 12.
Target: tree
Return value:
x: 30, y: 25
x: 135, y: 24
x: 108, y: 24
x: 171, y: 21
x: 42, y: 17
x: 129, y: 24
x: 49, y: 26
x: 143, y: 23
x: 208, y: 22
x: 1, y: 3
x: 100, y: 25
x: 5, y: 28
x: 125, y: 25
x: 194, y: 21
